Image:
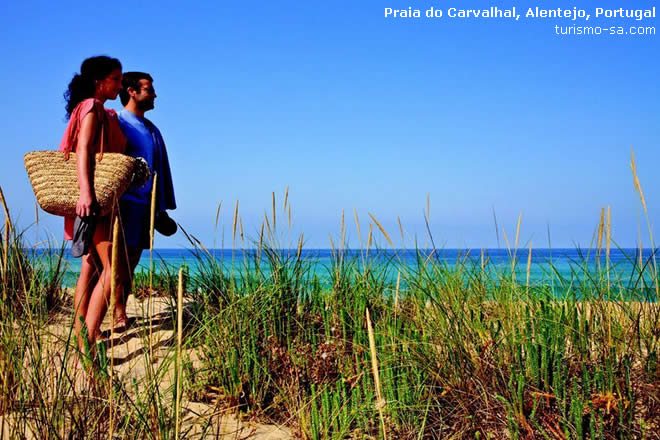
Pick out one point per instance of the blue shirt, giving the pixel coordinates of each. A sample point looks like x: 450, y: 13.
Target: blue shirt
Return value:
x: 143, y: 139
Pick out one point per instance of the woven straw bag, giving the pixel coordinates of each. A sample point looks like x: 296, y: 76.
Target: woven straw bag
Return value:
x: 54, y: 179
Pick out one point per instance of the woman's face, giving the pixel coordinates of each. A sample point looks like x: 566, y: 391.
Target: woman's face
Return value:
x: 109, y: 87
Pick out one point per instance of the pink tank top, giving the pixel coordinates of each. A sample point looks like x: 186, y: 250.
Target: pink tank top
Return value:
x: 114, y: 141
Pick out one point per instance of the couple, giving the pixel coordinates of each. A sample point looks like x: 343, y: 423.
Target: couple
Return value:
x: 94, y: 129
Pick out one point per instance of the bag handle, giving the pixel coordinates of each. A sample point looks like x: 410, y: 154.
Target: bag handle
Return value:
x: 102, y: 140
x: 74, y: 138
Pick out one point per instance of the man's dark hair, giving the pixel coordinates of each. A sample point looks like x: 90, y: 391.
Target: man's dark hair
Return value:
x: 132, y: 80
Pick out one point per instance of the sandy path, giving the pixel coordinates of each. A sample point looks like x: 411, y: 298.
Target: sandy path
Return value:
x: 129, y: 351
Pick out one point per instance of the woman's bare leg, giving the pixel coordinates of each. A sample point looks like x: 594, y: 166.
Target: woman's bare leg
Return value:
x: 89, y: 275
x: 98, y: 302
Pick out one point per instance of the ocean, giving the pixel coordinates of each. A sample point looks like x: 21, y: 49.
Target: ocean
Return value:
x: 545, y: 264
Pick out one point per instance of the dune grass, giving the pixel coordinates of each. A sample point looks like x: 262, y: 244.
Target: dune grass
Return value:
x: 461, y: 351
x: 374, y: 349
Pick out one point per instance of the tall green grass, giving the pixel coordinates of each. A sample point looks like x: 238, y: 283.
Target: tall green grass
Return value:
x: 464, y: 350
x: 446, y: 350
x: 48, y: 390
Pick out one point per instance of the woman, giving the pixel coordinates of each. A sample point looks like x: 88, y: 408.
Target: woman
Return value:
x: 92, y: 129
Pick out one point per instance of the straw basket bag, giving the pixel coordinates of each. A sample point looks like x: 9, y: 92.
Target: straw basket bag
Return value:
x: 54, y: 180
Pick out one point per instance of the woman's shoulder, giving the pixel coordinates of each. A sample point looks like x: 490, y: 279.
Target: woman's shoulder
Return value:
x: 87, y: 105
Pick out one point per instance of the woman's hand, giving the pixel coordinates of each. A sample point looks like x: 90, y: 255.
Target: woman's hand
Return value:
x: 86, y: 205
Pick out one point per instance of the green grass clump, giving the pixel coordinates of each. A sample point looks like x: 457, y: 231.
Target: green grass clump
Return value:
x: 464, y: 350
x: 375, y: 347
x: 47, y: 389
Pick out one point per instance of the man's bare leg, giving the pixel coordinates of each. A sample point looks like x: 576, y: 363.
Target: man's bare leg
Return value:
x: 121, y: 318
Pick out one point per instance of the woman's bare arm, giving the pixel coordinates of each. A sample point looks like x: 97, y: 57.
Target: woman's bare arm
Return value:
x: 85, y: 155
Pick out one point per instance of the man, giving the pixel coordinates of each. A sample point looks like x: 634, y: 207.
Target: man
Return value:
x: 143, y: 140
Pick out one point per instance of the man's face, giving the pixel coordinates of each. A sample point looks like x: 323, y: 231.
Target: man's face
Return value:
x: 145, y: 95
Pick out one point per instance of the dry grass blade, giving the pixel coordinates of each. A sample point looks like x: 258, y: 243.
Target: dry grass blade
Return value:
x: 154, y: 186
x: 300, y: 245
x: 506, y: 240
x: 270, y: 233
x: 240, y: 227
x: 289, y: 216
x: 380, y: 402
x: 513, y: 256
x: 601, y: 227
x: 274, y: 217
x: 261, y: 236
x: 114, y: 281
x: 430, y: 256
x: 4, y: 205
x: 357, y: 225
x: 36, y: 222
x: 235, y: 223
x: 200, y: 244
x: 608, y: 234
x: 261, y: 243
x: 152, y: 223
x: 382, y: 230
x: 286, y: 196
x: 398, y: 219
x: 640, y: 246
x: 370, y: 237
x: 608, y: 241
x: 215, y: 227
x: 428, y: 206
x: 179, y: 341
x: 497, y: 229
x: 638, y: 187
x: 332, y: 246
x: 517, y: 232
x: 529, y: 264
x: 5, y: 249
x: 342, y: 231
x: 396, y: 292
x: 217, y: 214
x: 341, y: 222
x: 428, y: 230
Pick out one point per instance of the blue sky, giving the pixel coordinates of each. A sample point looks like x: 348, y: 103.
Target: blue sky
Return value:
x: 352, y: 110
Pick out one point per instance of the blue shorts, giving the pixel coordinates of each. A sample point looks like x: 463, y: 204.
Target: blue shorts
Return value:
x: 135, y: 220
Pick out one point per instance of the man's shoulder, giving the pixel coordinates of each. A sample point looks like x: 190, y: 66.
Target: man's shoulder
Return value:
x: 126, y: 116
x: 151, y: 125
x: 149, y: 122
x: 129, y: 121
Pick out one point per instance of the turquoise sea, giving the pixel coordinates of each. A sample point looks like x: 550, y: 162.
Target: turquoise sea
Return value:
x: 546, y: 265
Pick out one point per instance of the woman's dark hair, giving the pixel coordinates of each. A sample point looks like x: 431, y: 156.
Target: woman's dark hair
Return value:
x: 82, y: 86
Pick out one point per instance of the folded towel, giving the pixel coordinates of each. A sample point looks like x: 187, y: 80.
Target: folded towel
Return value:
x: 83, y: 233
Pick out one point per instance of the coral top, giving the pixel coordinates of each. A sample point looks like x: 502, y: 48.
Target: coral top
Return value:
x: 114, y: 140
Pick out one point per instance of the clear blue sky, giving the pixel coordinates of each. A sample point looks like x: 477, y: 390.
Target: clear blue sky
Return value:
x: 354, y: 110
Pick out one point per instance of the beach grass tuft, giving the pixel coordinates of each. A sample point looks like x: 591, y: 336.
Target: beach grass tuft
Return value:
x: 374, y: 346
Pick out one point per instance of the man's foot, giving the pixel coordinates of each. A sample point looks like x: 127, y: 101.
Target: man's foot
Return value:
x: 123, y: 323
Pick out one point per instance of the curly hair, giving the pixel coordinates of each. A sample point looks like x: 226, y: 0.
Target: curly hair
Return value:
x: 82, y: 84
